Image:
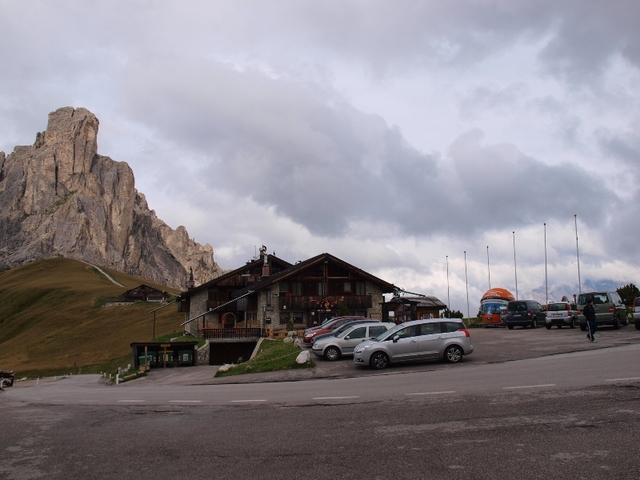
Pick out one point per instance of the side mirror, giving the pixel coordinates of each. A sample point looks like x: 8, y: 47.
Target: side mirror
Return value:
x: 347, y: 337
x: 396, y: 338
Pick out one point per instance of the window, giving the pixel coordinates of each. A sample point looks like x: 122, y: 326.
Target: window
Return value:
x: 347, y: 287
x: 360, y: 288
x: 429, y: 328
x: 448, y: 327
x: 296, y: 288
x: 376, y: 330
x: 284, y: 287
x: 321, y: 288
x: 297, y: 317
x: 358, y: 333
x: 407, y: 332
x: 268, y: 293
x: 284, y: 318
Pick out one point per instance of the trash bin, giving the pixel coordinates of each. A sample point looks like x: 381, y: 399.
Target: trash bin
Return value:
x: 185, y: 357
x: 145, y: 360
x: 167, y: 359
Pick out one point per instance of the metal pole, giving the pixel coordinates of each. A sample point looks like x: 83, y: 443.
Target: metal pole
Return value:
x: 488, y: 267
x: 575, y: 219
x: 546, y: 278
x: 515, y: 270
x: 466, y: 282
x: 448, y: 297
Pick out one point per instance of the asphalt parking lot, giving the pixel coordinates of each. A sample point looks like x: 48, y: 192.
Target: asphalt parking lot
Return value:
x: 491, y: 345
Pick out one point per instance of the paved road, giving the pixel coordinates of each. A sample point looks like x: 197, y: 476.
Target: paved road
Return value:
x: 565, y: 410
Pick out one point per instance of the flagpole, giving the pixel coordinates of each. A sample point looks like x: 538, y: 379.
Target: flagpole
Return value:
x: 515, y: 270
x: 575, y: 219
x: 546, y: 278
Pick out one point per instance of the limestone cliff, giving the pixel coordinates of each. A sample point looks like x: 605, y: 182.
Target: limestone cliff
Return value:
x: 60, y: 198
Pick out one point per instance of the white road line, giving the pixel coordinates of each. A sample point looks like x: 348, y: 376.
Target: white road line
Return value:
x: 247, y: 401
x: 185, y: 401
x: 431, y: 393
x: 131, y: 401
x: 335, y: 398
x: 530, y: 386
x: 622, y: 379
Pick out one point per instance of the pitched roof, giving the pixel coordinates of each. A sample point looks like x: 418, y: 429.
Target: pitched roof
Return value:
x: 423, y: 301
x: 386, y: 287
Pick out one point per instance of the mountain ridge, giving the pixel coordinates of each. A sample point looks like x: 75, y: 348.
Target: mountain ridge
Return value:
x: 60, y: 198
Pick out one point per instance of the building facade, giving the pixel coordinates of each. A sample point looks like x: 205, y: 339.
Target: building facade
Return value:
x: 269, y: 292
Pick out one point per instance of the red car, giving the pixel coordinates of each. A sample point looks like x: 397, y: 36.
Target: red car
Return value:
x: 328, y: 327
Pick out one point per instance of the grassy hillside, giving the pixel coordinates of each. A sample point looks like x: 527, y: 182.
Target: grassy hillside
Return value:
x: 51, y: 318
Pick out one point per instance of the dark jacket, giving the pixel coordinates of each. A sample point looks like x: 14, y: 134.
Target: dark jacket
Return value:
x: 589, y: 313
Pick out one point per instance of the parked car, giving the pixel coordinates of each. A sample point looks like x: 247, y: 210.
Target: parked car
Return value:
x: 327, y: 327
x: 524, y: 313
x: 609, y: 309
x: 342, y: 328
x: 334, y: 347
x: 561, y: 314
x: 426, y: 339
x: 636, y: 312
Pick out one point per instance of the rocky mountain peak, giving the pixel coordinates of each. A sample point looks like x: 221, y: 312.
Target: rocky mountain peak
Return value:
x: 60, y: 198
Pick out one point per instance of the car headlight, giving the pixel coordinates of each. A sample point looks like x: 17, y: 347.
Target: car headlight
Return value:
x: 360, y: 348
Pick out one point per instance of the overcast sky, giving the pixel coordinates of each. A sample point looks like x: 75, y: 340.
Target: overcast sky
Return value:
x: 396, y: 135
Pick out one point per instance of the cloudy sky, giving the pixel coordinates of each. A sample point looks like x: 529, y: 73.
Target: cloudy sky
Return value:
x: 409, y: 138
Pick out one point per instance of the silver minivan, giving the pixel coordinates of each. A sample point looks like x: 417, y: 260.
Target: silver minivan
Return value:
x: 416, y: 340
x: 610, y: 310
x: 334, y: 347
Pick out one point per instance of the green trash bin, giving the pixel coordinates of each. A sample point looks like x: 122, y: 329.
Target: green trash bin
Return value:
x: 185, y: 357
x: 145, y: 361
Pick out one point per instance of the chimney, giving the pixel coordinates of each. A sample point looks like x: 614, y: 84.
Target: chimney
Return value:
x: 266, y: 270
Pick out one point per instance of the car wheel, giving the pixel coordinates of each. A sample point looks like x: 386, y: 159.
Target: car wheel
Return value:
x: 379, y: 360
x: 559, y: 326
x: 453, y: 354
x: 510, y: 327
x: 534, y: 323
x: 616, y: 323
x: 548, y: 327
x: 572, y: 324
x: 332, y: 353
x: 637, y: 324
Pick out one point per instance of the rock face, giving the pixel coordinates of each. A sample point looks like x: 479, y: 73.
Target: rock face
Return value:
x: 59, y: 198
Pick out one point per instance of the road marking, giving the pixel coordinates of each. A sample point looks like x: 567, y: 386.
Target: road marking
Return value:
x: 247, y: 401
x: 335, y: 398
x: 131, y: 401
x: 530, y: 386
x: 185, y: 401
x: 622, y: 379
x: 431, y: 393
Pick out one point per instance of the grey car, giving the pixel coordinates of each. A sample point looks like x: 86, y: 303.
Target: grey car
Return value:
x: 427, y: 339
x: 610, y: 310
x: 334, y: 347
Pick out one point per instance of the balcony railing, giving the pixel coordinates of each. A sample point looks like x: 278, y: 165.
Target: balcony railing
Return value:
x: 231, y: 333
x: 352, y: 302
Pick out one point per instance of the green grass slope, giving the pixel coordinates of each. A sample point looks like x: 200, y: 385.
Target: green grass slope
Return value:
x: 51, y: 318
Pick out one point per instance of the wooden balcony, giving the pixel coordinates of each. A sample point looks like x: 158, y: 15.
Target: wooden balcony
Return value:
x: 252, y: 333
x: 327, y: 302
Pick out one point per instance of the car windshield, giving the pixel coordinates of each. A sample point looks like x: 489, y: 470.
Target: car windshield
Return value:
x: 517, y: 307
x: 556, y: 307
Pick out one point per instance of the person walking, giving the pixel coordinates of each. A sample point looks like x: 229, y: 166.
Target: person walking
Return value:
x: 589, y: 313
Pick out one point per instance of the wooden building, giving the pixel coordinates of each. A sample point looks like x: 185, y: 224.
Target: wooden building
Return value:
x: 269, y: 292
x: 145, y: 293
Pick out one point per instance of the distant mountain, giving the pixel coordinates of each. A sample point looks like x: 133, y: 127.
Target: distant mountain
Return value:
x: 60, y: 198
x: 557, y: 291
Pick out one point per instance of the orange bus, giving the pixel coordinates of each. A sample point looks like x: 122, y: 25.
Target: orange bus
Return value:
x: 493, y: 306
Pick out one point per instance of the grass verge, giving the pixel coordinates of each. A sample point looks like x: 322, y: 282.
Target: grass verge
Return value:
x: 273, y: 355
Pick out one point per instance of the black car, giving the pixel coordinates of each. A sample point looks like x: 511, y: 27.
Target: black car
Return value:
x: 524, y: 313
